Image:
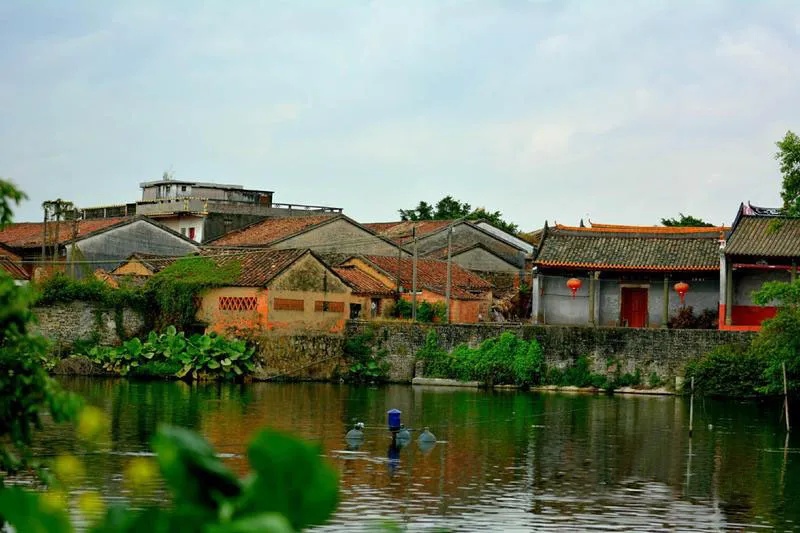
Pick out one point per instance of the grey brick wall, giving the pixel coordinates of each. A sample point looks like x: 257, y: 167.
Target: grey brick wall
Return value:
x: 664, y: 352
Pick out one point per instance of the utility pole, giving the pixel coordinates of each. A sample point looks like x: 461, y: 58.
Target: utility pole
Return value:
x: 449, y: 272
x: 414, y: 278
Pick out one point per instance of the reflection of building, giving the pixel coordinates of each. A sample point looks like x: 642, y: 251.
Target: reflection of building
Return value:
x: 203, y: 211
x: 623, y: 275
x: 762, y: 246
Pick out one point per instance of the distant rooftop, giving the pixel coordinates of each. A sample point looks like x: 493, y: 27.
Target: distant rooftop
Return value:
x: 208, y: 185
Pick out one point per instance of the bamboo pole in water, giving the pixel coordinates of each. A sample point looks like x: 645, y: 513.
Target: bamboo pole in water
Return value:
x: 691, y: 410
x: 785, y: 398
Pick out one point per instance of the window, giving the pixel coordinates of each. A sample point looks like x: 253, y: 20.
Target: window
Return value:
x: 191, y: 233
x: 286, y: 304
x: 183, y: 231
x: 237, y: 303
x: 328, y: 307
x: 183, y: 188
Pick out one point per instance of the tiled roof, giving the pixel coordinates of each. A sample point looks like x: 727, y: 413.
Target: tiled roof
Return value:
x: 29, y: 234
x: 431, y: 275
x: 402, y: 232
x: 13, y: 268
x: 765, y: 236
x: 154, y: 262
x: 271, y: 230
x: 630, y: 248
x: 361, y: 282
x: 441, y: 253
x: 671, y: 231
x: 258, y: 267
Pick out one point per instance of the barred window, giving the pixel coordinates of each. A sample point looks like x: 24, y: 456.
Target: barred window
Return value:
x: 237, y: 303
x: 286, y: 304
x: 326, y: 306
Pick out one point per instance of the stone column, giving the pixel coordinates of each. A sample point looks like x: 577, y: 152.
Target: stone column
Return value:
x: 536, y: 298
x: 666, y: 301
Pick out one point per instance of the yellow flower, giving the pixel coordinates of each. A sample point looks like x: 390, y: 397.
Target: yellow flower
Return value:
x: 92, y: 423
x: 68, y: 469
x: 54, y: 500
x: 91, y: 505
x: 140, y: 473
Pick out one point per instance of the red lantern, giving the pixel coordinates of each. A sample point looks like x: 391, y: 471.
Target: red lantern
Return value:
x: 574, y: 284
x: 682, y: 288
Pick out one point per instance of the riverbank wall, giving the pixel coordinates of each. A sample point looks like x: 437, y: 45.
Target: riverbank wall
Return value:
x: 660, y: 352
x: 64, y: 324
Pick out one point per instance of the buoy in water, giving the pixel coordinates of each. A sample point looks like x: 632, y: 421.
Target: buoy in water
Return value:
x: 403, y: 436
x: 357, y: 433
x: 426, y: 436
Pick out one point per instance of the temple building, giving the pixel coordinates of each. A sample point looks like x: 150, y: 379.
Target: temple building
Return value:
x: 632, y: 276
x: 763, y: 245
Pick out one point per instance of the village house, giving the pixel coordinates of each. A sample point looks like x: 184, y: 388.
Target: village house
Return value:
x: 11, y: 264
x: 289, y: 291
x: 762, y: 246
x: 615, y: 275
x: 79, y: 247
x: 371, y: 297
x: 470, y: 295
x: 328, y: 234
x: 203, y: 211
x: 499, y: 251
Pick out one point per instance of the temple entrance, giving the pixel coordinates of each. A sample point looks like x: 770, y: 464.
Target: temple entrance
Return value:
x: 633, y: 308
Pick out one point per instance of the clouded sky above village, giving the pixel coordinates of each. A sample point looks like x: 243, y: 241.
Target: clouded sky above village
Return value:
x: 622, y: 112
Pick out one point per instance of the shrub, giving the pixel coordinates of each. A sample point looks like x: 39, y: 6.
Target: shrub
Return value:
x: 197, y: 356
x: 363, y: 364
x: 576, y: 375
x: 60, y: 288
x: 174, y: 291
x: 506, y: 359
x: 729, y: 370
x: 438, y: 363
x: 685, y: 318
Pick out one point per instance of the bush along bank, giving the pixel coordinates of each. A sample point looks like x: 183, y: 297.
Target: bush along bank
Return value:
x: 756, y: 369
x: 173, y: 354
x: 510, y: 360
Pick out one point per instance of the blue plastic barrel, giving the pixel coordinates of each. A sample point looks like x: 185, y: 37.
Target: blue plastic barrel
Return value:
x: 393, y: 419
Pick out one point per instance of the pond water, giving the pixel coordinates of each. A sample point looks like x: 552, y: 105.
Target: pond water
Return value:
x: 506, y: 460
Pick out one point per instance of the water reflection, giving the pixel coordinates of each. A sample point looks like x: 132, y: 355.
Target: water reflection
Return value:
x: 503, y: 460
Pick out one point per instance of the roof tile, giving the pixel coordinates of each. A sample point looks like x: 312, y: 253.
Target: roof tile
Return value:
x: 765, y: 236
x: 361, y: 282
x: 401, y: 232
x: 432, y: 275
x: 271, y: 230
x: 258, y: 267
x: 30, y: 234
x: 630, y: 248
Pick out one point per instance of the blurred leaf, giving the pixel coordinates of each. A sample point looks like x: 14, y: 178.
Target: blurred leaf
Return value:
x: 27, y: 513
x: 191, y: 468
x: 291, y: 479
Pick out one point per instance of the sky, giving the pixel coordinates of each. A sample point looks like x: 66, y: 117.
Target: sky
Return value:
x: 612, y: 111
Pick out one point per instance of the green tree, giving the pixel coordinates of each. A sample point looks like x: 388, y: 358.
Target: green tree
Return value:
x: 778, y: 342
x: 685, y: 221
x: 788, y: 155
x: 448, y: 208
x: 25, y: 388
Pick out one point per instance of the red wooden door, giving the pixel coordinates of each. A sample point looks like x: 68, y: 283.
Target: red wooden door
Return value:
x: 633, y: 310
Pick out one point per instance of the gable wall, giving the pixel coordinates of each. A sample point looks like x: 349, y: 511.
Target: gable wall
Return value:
x: 483, y: 261
x: 106, y: 250
x: 340, y: 236
x: 464, y: 236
